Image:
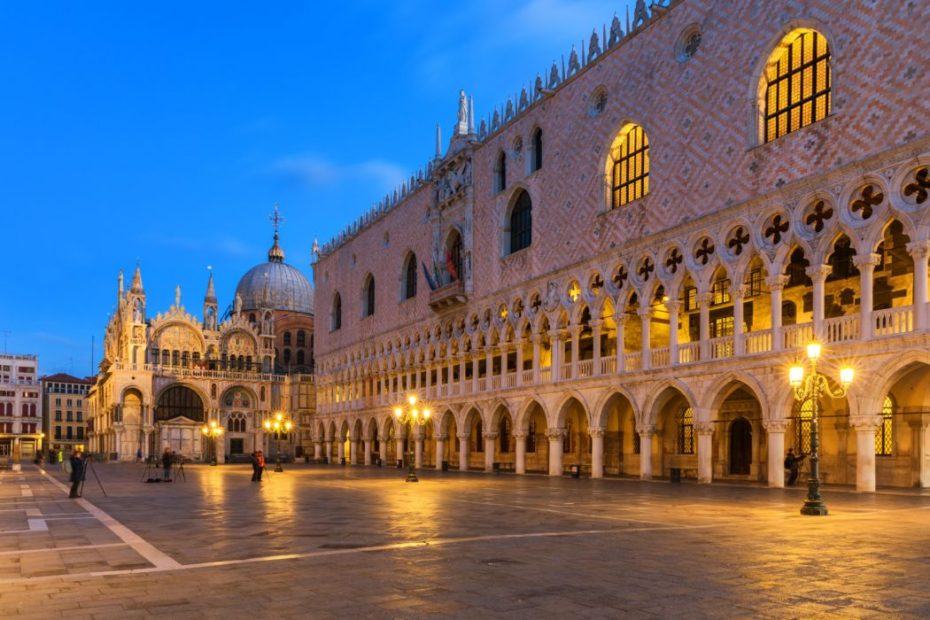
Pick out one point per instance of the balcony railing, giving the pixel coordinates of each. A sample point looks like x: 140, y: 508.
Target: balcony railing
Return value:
x: 836, y: 330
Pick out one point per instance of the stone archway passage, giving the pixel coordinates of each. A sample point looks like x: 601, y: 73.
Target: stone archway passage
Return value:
x: 179, y: 402
x: 740, y: 447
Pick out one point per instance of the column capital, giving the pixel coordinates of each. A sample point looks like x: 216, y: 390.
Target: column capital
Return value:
x: 776, y: 282
x: 740, y: 291
x: 818, y: 272
x: 620, y: 317
x: 520, y: 434
x: 596, y: 325
x: 704, y: 299
x: 575, y: 330
x: 555, y: 433
x: 919, y: 249
x: 644, y: 312
x: 442, y: 437
x: 865, y: 422
x: 673, y: 305
x: 491, y: 435
x: 463, y: 436
x: 866, y: 261
x: 596, y: 432
x: 704, y: 428
x: 646, y: 430
x: 775, y: 426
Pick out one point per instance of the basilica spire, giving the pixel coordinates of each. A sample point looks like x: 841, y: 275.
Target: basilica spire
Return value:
x: 211, y: 291
x: 276, y: 254
x: 137, y: 281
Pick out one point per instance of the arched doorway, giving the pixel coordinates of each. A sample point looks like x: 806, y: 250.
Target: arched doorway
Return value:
x: 178, y: 417
x: 740, y: 447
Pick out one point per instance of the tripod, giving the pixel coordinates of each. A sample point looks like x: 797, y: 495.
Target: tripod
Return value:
x: 89, y: 464
x: 150, y: 471
x: 179, y: 474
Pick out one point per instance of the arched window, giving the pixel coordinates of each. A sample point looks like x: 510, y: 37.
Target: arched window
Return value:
x: 300, y: 357
x: 504, y: 435
x: 479, y: 439
x: 301, y: 338
x: 521, y: 223
x: 536, y: 158
x: 500, y: 172
x: 337, y: 312
x: 531, y: 437
x: 454, y: 255
x: 287, y: 356
x: 568, y: 443
x: 368, y: 296
x: 884, y: 439
x: 410, y: 276
x: 629, y: 159
x: 803, y: 429
x: 287, y: 339
x: 686, y: 431
x: 179, y: 402
x: 795, y: 88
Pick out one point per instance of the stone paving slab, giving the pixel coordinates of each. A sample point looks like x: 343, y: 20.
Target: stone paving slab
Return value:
x: 353, y: 542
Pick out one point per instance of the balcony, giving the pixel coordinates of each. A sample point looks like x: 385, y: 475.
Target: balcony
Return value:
x: 449, y: 296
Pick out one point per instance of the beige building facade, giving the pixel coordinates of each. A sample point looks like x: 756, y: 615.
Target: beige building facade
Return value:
x: 163, y: 378
x: 615, y: 269
x: 21, y: 436
x: 64, y: 420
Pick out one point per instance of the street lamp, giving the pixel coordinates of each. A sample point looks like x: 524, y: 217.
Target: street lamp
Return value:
x: 812, y: 386
x: 212, y: 431
x: 410, y: 413
x: 279, y: 424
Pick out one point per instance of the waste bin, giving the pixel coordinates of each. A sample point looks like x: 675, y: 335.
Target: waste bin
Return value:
x: 445, y: 466
x: 378, y: 461
x: 496, y: 468
x: 575, y: 470
x: 674, y: 475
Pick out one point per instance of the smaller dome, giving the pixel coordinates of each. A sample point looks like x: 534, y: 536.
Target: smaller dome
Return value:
x: 275, y: 285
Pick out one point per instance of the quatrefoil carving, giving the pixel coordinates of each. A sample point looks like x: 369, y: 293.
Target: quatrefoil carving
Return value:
x: 704, y: 251
x: 818, y: 216
x: 919, y: 188
x: 645, y: 269
x: 620, y: 277
x: 776, y: 229
x: 674, y: 259
x: 869, y: 198
x: 738, y: 240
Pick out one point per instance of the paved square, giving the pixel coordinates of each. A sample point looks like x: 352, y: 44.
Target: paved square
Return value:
x: 343, y: 542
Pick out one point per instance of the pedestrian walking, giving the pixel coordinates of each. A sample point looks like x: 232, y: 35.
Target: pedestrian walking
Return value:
x: 793, y: 465
x: 77, y: 472
x: 258, y: 465
x: 139, y: 455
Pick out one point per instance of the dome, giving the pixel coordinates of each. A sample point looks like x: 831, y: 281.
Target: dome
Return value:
x: 275, y: 285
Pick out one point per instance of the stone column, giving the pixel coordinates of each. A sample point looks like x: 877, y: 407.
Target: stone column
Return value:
x: 317, y: 450
x: 555, y: 450
x: 776, y: 284
x: 353, y: 451
x: 520, y: 461
x: 418, y: 450
x: 382, y: 451
x: 645, y: 317
x: 462, y: 364
x: 367, y: 451
x: 555, y: 339
x: 519, y: 344
x: 537, y: 343
x: 575, y: 332
x: 597, y: 452
x: 704, y: 300
x: 920, y: 250
x: 739, y: 293
x: 705, y: 451
x: 463, y: 452
x: 646, y: 433
x: 440, y: 450
x: 489, y: 367
x: 818, y: 273
x: 503, y: 349
x: 340, y: 450
x: 596, y: 325
x: 921, y: 432
x: 489, y: 451
x: 866, y: 265
x: 865, y: 451
x: 620, y: 321
x: 775, y: 432
x: 399, y: 449
x: 474, y: 372
x: 673, y: 356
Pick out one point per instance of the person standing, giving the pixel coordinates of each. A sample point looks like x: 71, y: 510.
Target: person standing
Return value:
x: 258, y: 465
x: 139, y: 455
x: 77, y: 472
x: 793, y: 465
x: 166, y: 465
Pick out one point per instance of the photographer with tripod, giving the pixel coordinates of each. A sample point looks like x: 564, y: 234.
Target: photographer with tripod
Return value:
x: 77, y: 473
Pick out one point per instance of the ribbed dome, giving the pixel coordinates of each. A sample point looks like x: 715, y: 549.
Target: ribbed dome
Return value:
x: 275, y: 285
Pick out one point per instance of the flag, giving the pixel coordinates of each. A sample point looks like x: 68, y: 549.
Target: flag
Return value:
x: 429, y: 278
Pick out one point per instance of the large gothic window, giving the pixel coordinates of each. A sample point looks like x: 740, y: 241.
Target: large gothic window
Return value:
x: 536, y: 157
x: 629, y: 156
x: 795, y: 87
x: 368, y: 296
x: 410, y: 276
x: 521, y: 223
x: 337, y: 312
x: 179, y: 402
x: 686, y: 431
x: 500, y: 172
x: 454, y: 253
x: 301, y: 338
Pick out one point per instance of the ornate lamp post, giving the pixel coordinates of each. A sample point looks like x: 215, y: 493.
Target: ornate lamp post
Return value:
x: 212, y: 431
x: 810, y: 387
x: 414, y: 415
x: 278, y: 424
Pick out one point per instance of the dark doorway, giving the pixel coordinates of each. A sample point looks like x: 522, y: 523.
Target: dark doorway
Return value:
x: 740, y: 447
x: 236, y: 446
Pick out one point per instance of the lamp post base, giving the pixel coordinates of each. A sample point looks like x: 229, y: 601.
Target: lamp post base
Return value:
x: 814, y: 508
x: 277, y: 465
x: 412, y: 477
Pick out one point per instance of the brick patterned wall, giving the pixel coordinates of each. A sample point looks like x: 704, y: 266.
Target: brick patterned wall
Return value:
x: 700, y: 119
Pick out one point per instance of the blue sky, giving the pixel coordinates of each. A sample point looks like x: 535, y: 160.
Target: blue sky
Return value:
x: 165, y: 132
